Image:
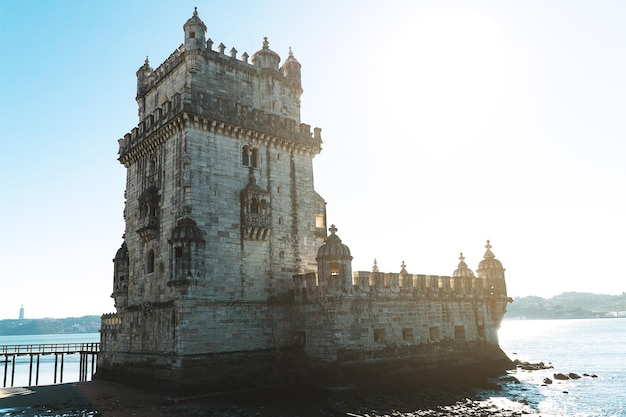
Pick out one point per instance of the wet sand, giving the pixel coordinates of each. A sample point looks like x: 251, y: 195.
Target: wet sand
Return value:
x: 101, y: 399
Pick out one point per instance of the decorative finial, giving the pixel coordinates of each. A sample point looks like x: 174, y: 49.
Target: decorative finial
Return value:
x: 266, y: 44
x: 147, y: 61
x: 332, y: 229
x: 290, y: 51
x: 375, y: 266
x: 195, y: 12
x: 403, y: 270
x: 488, y: 253
x: 403, y: 265
x: 461, y: 258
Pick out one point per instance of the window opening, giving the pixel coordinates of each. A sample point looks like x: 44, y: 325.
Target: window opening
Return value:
x: 407, y: 334
x: 245, y: 155
x: 254, y: 206
x: 434, y: 334
x: 459, y: 332
x: 150, y: 262
x: 379, y: 335
x: 254, y: 158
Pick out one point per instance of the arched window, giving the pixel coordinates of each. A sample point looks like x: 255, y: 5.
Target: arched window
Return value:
x: 263, y: 207
x: 150, y: 262
x: 254, y: 206
x: 250, y: 156
x: 245, y: 155
x: 334, y: 268
x: 254, y: 158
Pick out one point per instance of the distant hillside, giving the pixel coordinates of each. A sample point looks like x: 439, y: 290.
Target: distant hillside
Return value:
x: 85, y: 324
x: 568, y: 305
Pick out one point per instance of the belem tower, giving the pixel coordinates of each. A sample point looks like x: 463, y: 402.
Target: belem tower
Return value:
x: 228, y: 274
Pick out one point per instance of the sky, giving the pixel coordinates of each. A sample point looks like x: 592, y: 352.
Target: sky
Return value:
x: 444, y: 124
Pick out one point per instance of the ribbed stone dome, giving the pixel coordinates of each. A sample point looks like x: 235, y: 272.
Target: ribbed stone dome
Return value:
x: 122, y: 253
x: 195, y: 20
x: 333, y: 248
x: 462, y: 270
x: 489, y: 261
x: 145, y: 67
x: 187, y: 231
x: 265, y: 57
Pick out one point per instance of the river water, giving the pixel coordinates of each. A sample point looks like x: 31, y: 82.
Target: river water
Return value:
x: 585, y: 346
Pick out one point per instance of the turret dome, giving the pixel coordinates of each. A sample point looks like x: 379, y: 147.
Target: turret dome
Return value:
x: 490, y: 267
x: 462, y: 270
x: 122, y: 253
x: 333, y: 248
x: 145, y: 68
x: 266, y: 58
x: 489, y: 261
x: 187, y: 231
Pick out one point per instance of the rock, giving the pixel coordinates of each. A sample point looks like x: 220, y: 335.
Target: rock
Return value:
x: 547, y: 381
x: 572, y: 375
x: 561, y: 377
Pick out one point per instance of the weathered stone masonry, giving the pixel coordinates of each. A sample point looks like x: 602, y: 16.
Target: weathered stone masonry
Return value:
x: 226, y: 275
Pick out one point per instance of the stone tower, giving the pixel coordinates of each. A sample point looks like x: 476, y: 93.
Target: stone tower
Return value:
x: 220, y: 213
x: 226, y: 277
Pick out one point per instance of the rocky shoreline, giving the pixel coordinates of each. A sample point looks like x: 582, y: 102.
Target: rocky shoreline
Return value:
x: 463, y: 396
x: 96, y: 399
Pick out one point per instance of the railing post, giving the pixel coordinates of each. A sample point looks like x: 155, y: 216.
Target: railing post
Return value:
x: 62, y: 360
x: 37, y: 375
x: 6, y: 367
x: 30, y: 371
x: 56, y: 358
x: 13, y: 371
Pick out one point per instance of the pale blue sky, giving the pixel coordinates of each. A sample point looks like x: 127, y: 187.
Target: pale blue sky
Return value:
x: 445, y: 123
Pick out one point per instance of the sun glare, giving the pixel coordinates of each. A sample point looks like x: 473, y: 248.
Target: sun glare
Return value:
x: 455, y: 69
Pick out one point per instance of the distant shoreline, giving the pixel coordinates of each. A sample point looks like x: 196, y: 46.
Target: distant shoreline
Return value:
x: 69, y: 325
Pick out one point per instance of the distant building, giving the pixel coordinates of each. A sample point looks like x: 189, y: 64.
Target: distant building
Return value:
x: 227, y: 276
x: 22, y: 312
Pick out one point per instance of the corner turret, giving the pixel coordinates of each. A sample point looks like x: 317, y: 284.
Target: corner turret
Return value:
x: 143, y: 79
x: 195, y: 32
x: 491, y: 270
x: 334, y: 263
x: 120, y: 277
x: 143, y: 74
x: 291, y: 71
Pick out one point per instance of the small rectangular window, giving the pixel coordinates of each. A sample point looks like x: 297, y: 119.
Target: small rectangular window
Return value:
x: 459, y: 332
x: 379, y: 335
x: 407, y: 334
x: 434, y: 333
x: 481, y: 331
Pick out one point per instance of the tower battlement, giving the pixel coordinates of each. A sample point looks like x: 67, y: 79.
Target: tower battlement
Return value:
x: 394, y: 285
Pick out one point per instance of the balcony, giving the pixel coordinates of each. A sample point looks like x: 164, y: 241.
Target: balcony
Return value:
x: 149, y: 228
x: 256, y: 226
